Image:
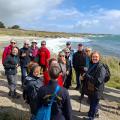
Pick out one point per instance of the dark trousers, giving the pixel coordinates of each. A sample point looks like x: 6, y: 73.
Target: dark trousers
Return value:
x: 68, y: 79
x: 77, y: 72
x: 94, y: 106
x: 23, y: 74
x: 12, y: 82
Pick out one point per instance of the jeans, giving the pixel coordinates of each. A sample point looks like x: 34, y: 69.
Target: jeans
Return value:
x: 12, y: 82
x: 77, y: 72
x: 24, y: 74
x: 94, y: 106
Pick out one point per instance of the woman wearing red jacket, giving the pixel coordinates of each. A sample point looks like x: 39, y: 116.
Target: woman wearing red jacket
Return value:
x: 52, y: 62
x: 7, y: 51
x: 44, y: 55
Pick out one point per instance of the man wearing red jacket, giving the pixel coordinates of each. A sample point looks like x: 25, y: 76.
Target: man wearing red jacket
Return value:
x: 8, y: 49
x: 44, y: 55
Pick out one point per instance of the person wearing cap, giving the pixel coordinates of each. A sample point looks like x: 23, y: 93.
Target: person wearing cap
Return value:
x: 79, y: 62
x: 44, y: 56
x: 24, y: 59
x: 34, y: 51
x: 8, y: 49
x: 67, y: 83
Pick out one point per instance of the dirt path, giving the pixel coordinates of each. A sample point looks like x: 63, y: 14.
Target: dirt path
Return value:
x: 108, y: 107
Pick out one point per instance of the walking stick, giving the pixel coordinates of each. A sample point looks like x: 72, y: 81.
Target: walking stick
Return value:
x: 80, y: 96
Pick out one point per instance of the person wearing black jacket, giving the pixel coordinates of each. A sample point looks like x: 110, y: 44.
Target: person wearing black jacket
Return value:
x: 79, y: 63
x: 61, y: 107
x: 11, y: 64
x: 67, y: 83
x: 24, y: 59
x: 31, y: 87
x: 95, y: 84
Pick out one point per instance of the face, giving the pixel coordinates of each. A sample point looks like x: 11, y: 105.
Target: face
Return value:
x: 13, y: 44
x: 62, y: 58
x: 53, y: 63
x: 43, y: 44
x: 34, y: 44
x: 26, y: 45
x: 80, y: 48
x: 68, y: 46
x: 67, y: 53
x: 95, y: 58
x: 36, y: 72
x: 15, y: 51
x: 88, y: 52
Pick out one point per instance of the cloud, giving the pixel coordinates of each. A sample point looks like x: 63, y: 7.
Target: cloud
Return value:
x: 13, y: 11
x: 48, y: 15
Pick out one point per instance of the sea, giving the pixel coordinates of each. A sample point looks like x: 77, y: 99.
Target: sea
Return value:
x: 108, y: 45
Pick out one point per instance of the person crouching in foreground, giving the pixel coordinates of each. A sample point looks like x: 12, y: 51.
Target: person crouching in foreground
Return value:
x: 30, y: 90
x: 61, y: 107
x: 11, y: 64
x: 95, y: 84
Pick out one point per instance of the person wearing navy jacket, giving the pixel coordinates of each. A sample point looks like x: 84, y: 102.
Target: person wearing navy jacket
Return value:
x: 61, y: 107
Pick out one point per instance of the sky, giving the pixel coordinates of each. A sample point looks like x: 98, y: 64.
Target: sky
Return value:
x: 76, y: 16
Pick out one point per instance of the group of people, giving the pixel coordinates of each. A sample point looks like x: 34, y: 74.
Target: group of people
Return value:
x: 38, y: 89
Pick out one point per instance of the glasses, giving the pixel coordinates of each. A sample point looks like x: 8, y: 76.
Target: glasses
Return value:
x: 87, y: 51
x: 67, y: 52
x: 13, y: 43
x: 26, y: 44
x: 43, y: 44
x: 61, y: 56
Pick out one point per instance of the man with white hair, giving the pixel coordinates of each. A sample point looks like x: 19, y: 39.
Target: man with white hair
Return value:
x: 24, y: 59
x: 8, y: 49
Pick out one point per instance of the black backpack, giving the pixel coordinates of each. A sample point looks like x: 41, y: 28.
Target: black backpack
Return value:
x: 108, y: 74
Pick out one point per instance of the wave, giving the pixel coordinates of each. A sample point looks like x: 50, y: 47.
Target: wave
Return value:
x: 58, y: 44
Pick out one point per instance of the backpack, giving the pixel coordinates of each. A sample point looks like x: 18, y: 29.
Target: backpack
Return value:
x: 44, y: 113
x: 27, y: 95
x: 108, y: 74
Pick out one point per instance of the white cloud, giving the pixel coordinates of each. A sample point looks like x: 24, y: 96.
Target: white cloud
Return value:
x: 47, y: 15
x: 13, y: 11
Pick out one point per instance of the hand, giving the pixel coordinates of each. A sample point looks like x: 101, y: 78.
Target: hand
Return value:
x: 85, y: 69
x: 23, y: 54
x: 67, y: 72
x: 17, y: 65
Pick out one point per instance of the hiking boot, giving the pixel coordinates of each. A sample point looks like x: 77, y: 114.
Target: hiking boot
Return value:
x: 97, y: 115
x: 77, y: 88
x: 9, y: 94
x: 14, y: 95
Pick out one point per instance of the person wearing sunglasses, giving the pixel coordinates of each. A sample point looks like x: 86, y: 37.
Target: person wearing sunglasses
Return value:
x: 7, y: 51
x: 67, y: 83
x: 44, y: 56
x: 62, y: 64
x: 24, y: 59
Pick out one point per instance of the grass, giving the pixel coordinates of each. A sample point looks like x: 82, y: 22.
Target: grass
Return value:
x: 45, y: 34
x: 114, y: 66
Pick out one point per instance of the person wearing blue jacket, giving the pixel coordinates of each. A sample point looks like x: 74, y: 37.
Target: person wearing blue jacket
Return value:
x: 61, y: 107
x: 11, y: 64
